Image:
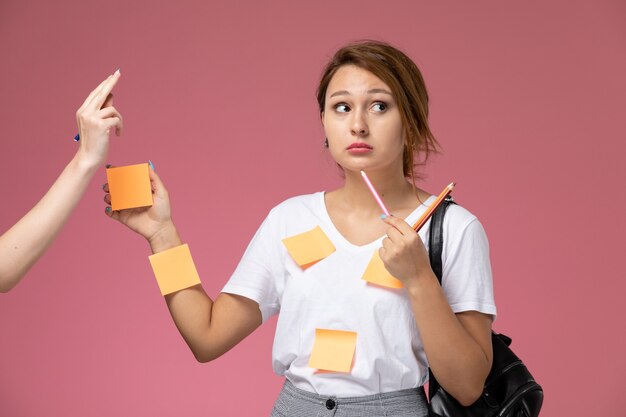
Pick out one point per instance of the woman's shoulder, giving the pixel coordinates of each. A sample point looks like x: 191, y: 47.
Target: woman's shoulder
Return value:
x: 461, y: 224
x: 459, y: 218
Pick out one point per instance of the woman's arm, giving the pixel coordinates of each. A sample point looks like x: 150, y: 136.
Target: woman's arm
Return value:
x: 24, y: 243
x: 210, y: 328
x: 458, y: 346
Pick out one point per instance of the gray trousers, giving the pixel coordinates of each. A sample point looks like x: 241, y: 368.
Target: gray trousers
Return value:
x: 294, y: 402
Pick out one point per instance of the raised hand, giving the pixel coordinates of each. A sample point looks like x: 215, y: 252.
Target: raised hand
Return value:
x: 403, y: 251
x: 95, y: 118
x: 23, y: 244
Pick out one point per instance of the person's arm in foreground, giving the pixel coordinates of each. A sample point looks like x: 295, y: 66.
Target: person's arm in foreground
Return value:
x: 24, y: 243
x: 210, y: 328
x: 458, y: 346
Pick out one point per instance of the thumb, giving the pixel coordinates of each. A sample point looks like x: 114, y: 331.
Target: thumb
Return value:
x: 157, y: 185
x: 108, y: 102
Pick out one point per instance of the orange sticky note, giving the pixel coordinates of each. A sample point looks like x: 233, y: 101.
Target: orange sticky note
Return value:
x: 174, y: 269
x: 376, y: 273
x: 333, y: 350
x: 129, y: 186
x: 309, y: 247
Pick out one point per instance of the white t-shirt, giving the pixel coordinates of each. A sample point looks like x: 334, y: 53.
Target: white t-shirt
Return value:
x: 389, y: 355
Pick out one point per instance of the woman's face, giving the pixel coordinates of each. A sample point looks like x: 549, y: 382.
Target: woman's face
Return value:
x: 362, y: 122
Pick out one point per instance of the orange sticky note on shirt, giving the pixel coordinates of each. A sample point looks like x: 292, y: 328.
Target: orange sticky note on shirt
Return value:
x: 376, y: 273
x: 309, y: 247
x: 333, y: 350
x: 174, y: 269
x: 129, y: 186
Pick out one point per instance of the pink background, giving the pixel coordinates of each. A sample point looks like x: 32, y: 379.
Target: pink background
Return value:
x: 527, y: 99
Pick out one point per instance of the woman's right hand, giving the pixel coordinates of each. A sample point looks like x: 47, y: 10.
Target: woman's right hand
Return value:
x: 152, y: 222
x: 95, y: 119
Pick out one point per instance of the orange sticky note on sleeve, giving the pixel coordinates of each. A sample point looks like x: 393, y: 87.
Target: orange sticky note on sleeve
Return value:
x: 376, y: 273
x: 309, y: 247
x: 174, y: 269
x: 333, y: 350
x: 129, y: 186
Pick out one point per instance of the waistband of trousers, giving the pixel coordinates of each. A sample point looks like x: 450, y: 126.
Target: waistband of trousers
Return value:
x: 311, y: 396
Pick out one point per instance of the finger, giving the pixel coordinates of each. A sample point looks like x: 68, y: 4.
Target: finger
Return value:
x: 93, y: 93
x: 399, y: 224
x: 394, y: 235
x: 107, y: 198
x: 382, y: 253
x: 113, y: 122
x: 111, y: 112
x: 108, y: 102
x: 101, y: 95
x: 111, y: 213
x: 390, y: 250
x: 107, y: 112
x: 157, y: 185
x: 105, y: 187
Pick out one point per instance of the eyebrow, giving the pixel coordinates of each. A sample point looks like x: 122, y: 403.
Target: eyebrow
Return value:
x: 372, y: 91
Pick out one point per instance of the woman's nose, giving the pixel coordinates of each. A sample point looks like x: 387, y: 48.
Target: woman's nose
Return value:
x: 359, y: 125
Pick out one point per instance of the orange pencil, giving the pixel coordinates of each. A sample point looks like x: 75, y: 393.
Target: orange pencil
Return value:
x: 429, y: 212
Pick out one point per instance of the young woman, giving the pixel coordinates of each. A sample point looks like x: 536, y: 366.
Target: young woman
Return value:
x: 374, y: 107
x: 24, y: 243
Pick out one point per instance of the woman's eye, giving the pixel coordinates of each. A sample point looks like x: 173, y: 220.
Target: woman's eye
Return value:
x: 342, y: 108
x: 379, y: 107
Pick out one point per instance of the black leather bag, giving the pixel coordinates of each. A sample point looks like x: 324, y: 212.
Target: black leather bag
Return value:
x: 510, y: 390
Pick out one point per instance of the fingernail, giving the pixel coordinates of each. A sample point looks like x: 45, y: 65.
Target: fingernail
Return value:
x: 103, y: 185
x: 151, y: 165
x: 77, y: 137
x: 108, y: 166
x: 383, y: 216
x: 108, y: 209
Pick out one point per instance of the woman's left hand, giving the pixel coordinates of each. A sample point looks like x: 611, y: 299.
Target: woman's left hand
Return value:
x: 403, y: 252
x: 95, y: 119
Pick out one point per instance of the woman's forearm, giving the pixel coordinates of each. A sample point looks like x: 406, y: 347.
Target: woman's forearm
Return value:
x: 27, y: 240
x: 458, y: 360
x: 191, y: 307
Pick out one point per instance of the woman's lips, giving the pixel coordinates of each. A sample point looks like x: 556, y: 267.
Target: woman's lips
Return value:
x: 359, y: 148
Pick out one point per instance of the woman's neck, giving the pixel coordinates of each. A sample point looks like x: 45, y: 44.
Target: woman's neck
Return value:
x: 395, y: 191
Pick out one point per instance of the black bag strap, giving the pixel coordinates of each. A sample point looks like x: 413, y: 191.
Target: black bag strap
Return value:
x: 435, y: 237
x: 435, y: 250
x: 519, y: 383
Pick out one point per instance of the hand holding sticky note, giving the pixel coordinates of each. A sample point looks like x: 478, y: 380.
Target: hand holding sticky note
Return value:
x: 129, y: 186
x: 309, y: 247
x: 376, y: 273
x: 333, y: 350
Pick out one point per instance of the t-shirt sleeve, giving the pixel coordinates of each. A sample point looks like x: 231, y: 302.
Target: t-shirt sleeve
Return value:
x: 256, y: 274
x: 467, y: 280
